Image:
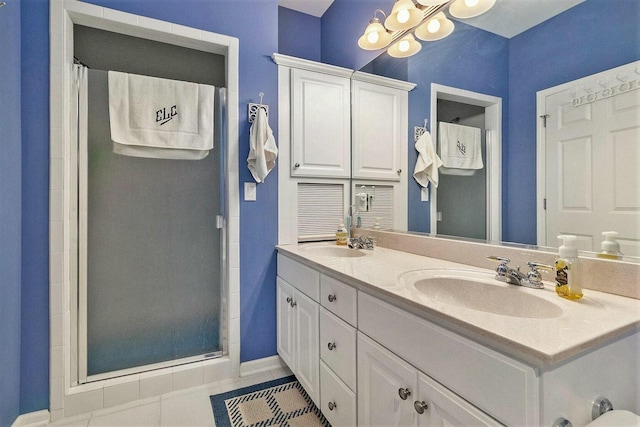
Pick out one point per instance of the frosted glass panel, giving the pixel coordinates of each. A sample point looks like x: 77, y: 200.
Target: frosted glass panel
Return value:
x: 154, y: 270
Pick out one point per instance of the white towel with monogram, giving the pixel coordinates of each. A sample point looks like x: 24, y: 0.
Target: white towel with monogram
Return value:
x: 460, y: 146
x: 160, y: 118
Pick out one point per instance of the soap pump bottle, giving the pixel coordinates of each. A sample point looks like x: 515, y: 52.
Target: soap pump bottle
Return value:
x: 341, y: 235
x: 568, y: 278
x: 610, y: 248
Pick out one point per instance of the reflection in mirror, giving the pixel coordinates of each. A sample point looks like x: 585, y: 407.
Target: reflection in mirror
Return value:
x: 557, y: 49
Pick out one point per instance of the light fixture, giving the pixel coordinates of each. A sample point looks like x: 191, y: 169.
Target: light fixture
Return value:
x: 404, y: 16
x: 465, y: 9
x: 405, y: 47
x: 435, y: 28
x: 375, y: 35
x: 432, y: 2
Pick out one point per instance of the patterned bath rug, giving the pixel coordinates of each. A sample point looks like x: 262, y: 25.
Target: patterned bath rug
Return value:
x: 282, y: 402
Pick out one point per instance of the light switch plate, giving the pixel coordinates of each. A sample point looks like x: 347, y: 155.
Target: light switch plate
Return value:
x: 249, y: 191
x: 424, y: 194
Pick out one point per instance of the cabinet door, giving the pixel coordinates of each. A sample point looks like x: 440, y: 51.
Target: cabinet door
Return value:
x: 379, y: 131
x: 381, y: 377
x: 443, y: 408
x: 285, y: 323
x: 321, y: 125
x: 307, y: 350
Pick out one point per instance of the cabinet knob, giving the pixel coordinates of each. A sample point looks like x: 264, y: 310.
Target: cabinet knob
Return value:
x: 331, y: 346
x: 332, y: 406
x: 399, y: 171
x: 293, y: 303
x: 332, y: 298
x: 289, y: 299
x: 562, y: 422
x: 404, y: 393
x: 297, y: 165
x: 420, y: 407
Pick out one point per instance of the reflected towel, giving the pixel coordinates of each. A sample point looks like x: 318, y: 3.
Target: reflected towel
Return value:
x: 262, y: 147
x: 460, y: 146
x: 160, y: 118
x: 428, y: 162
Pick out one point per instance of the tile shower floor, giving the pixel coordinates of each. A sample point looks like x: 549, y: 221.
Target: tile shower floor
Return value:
x: 190, y: 407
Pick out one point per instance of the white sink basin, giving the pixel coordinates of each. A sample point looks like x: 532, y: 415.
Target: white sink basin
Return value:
x: 335, y: 251
x: 480, y: 291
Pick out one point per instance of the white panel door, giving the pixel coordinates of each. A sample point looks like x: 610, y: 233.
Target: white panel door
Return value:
x: 441, y: 407
x: 285, y: 325
x: 379, y: 131
x: 306, y: 340
x: 321, y: 125
x: 593, y: 170
x: 381, y: 376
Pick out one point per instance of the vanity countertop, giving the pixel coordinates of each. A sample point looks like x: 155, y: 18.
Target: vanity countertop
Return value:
x: 585, y: 324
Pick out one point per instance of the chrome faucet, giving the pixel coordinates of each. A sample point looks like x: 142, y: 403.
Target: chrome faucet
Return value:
x: 513, y: 276
x: 361, y: 242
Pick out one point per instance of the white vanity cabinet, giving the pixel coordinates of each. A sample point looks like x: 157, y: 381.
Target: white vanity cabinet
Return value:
x: 320, y: 124
x: 380, y: 122
x: 298, y: 315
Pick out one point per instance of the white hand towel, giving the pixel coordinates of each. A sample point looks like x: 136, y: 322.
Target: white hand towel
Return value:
x: 160, y: 118
x: 262, y: 147
x: 460, y: 146
x: 428, y: 162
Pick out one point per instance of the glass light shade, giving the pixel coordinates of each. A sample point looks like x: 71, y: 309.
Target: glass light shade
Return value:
x: 465, y: 9
x: 375, y: 36
x: 431, y: 2
x: 405, y: 47
x: 435, y: 28
x: 404, y: 15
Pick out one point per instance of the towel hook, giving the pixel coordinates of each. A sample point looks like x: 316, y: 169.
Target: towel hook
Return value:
x: 253, y: 108
x: 261, y: 95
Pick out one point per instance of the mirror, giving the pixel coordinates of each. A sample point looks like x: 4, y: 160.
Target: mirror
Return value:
x: 515, y: 67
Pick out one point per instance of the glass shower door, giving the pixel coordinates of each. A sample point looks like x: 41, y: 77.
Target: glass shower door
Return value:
x: 154, y: 251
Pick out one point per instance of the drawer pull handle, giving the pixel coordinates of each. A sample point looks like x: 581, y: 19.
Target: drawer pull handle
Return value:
x: 332, y: 406
x: 332, y: 298
x: 293, y: 303
x: 399, y: 171
x: 420, y: 407
x: 404, y: 393
x: 331, y: 346
x: 289, y: 299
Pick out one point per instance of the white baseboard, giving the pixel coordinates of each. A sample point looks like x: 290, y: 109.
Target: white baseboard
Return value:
x: 32, y: 419
x: 259, y: 366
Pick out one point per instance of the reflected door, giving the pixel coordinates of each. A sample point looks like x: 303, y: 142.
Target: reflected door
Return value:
x: 592, y: 169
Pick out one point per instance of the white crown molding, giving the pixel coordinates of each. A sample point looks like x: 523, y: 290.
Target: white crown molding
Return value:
x: 305, y: 64
x: 383, y: 81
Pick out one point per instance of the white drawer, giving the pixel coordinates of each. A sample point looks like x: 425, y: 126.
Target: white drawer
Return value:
x: 342, y: 357
x: 342, y: 400
x: 339, y: 298
x: 303, y: 278
x: 503, y: 387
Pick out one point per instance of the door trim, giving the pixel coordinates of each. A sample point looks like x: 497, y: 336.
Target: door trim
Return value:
x: 493, y: 126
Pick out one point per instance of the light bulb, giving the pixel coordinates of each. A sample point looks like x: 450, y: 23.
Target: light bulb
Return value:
x: 373, y: 37
x: 471, y: 3
x: 433, y: 26
x: 403, y: 16
x: 404, y: 45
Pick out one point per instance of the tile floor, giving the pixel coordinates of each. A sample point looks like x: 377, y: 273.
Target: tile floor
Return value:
x: 190, y: 407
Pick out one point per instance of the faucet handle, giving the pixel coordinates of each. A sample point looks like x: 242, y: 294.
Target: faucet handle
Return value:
x: 499, y: 259
x: 534, y: 277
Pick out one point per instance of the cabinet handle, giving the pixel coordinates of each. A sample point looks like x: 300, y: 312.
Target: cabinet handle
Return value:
x: 331, y: 346
x: 289, y: 299
x: 399, y: 171
x: 297, y: 165
x: 332, y: 298
x: 404, y: 393
x: 420, y: 407
x: 293, y: 303
x: 332, y: 406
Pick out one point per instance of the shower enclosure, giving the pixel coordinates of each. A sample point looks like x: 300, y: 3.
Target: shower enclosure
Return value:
x: 151, y: 251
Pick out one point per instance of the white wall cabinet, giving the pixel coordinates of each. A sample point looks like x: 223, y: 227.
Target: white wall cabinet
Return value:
x: 380, y: 122
x: 321, y: 125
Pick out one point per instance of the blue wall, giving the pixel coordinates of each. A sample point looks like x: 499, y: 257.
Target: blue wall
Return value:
x: 34, y: 360
x: 10, y: 213
x: 298, y: 34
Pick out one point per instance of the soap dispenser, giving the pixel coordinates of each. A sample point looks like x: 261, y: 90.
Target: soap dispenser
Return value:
x: 568, y: 277
x: 610, y: 248
x: 341, y: 235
